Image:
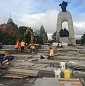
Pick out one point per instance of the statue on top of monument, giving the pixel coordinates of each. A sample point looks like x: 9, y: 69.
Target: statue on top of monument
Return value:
x: 63, y: 6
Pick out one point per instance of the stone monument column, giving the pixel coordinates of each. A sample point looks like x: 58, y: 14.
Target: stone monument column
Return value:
x: 65, y: 16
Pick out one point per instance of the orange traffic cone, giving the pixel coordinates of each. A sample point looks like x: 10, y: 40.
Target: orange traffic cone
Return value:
x: 26, y: 58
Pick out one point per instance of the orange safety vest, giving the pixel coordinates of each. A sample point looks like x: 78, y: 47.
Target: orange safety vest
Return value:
x: 16, y: 46
x: 30, y: 46
x: 22, y: 44
x: 51, y: 52
x: 33, y: 47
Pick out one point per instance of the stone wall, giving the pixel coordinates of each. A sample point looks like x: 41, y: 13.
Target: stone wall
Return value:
x: 63, y: 39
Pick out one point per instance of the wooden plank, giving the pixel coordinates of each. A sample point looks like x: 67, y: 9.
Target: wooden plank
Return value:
x: 80, y: 74
x: 43, y: 68
x: 72, y: 81
x: 23, y: 72
x: 72, y: 85
x: 62, y: 57
x: 22, y: 63
x: 14, y: 76
x: 46, y: 61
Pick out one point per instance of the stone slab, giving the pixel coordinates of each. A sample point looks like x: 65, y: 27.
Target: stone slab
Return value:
x: 46, y: 82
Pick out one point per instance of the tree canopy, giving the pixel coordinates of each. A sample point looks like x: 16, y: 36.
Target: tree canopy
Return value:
x: 9, y: 33
x: 54, y: 36
x: 83, y: 39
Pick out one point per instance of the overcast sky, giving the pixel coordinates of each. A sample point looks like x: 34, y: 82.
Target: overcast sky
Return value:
x: 34, y: 13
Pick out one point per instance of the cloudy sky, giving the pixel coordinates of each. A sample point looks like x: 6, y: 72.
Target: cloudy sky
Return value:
x: 34, y: 13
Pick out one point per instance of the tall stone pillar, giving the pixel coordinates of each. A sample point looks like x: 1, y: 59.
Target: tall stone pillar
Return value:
x: 66, y: 16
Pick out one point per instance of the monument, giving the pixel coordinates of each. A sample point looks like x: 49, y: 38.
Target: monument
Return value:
x: 65, y: 36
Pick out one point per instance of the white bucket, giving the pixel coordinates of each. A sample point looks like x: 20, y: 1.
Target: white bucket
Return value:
x: 57, y: 72
x: 62, y: 65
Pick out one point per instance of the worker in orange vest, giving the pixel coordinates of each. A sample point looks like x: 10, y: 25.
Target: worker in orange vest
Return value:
x: 17, y: 45
x: 33, y: 48
x: 22, y: 45
x: 30, y: 46
x: 51, y: 53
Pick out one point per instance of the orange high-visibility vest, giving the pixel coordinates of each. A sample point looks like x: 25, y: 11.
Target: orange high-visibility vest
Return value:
x: 33, y: 47
x: 16, y: 46
x: 22, y: 44
x: 51, y: 52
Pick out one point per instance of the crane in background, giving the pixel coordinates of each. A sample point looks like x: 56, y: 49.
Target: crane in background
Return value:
x: 31, y: 36
x: 31, y: 33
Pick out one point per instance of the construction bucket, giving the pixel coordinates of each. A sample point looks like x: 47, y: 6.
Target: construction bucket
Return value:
x: 67, y: 74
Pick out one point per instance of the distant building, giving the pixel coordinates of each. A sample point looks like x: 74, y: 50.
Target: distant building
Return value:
x: 10, y: 25
x: 10, y: 20
x: 41, y: 34
x: 37, y: 32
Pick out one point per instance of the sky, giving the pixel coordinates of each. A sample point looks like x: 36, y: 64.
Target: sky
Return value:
x: 34, y: 13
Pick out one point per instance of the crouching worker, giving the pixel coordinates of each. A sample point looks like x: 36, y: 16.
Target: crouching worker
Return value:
x: 33, y: 49
x: 17, y: 45
x: 51, y: 53
x: 6, y: 59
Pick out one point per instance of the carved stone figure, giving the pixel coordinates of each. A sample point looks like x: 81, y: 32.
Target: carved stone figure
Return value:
x: 63, y: 6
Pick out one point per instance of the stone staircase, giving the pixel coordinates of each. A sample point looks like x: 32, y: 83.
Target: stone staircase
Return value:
x: 44, y: 50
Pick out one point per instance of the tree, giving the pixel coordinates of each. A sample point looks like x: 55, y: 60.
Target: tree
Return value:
x: 9, y: 34
x: 83, y: 39
x: 22, y: 29
x: 0, y: 36
x: 78, y: 41
x: 5, y: 38
x: 10, y: 37
x: 54, y: 36
x: 42, y: 30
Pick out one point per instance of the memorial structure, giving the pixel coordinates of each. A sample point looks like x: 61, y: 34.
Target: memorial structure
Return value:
x: 65, y: 35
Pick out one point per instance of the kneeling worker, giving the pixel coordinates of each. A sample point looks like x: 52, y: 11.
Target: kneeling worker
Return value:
x: 6, y: 58
x: 51, y: 53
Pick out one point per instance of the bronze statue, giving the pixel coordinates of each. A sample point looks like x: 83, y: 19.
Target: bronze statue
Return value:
x: 64, y: 33
x: 63, y: 6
